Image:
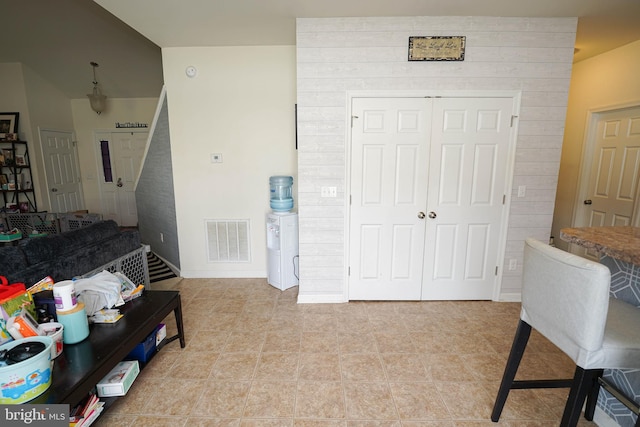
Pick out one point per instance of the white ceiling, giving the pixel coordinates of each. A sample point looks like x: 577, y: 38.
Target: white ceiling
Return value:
x: 58, y: 38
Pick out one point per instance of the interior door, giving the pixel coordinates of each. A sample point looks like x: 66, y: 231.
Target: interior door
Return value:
x: 61, y: 170
x: 614, y: 171
x: 468, y: 165
x: 121, y: 158
x: 388, y: 197
x: 427, y: 191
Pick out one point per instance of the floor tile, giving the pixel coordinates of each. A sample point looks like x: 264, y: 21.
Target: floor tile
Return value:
x: 257, y: 358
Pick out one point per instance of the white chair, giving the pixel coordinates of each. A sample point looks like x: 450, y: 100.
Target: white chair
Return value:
x: 566, y: 298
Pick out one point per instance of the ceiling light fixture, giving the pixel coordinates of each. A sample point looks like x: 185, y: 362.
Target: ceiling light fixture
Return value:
x: 96, y: 98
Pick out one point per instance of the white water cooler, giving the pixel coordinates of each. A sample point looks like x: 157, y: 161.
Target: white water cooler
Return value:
x: 282, y: 250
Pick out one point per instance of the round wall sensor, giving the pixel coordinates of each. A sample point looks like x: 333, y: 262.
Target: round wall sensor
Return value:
x: 191, y: 71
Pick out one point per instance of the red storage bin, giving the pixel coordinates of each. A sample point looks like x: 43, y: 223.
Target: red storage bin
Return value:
x: 8, y: 291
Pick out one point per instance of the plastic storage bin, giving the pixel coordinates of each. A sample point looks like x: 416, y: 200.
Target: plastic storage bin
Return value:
x: 144, y: 350
x: 29, y: 378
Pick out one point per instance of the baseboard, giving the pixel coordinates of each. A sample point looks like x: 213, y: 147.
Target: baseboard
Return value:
x: 602, y: 419
x: 321, y: 299
x: 511, y: 297
x: 228, y: 274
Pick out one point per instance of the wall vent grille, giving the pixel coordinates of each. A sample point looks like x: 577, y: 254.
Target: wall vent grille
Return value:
x: 228, y: 240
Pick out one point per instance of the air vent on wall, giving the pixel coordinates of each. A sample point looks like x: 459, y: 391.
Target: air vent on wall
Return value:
x: 228, y: 240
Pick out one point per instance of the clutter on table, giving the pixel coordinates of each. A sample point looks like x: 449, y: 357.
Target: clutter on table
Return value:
x: 36, y: 323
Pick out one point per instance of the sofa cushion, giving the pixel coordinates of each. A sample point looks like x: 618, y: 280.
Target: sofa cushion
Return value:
x: 95, y: 256
x: 42, y: 249
x: 13, y: 262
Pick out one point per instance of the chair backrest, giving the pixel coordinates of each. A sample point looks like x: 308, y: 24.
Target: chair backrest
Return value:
x: 565, y: 297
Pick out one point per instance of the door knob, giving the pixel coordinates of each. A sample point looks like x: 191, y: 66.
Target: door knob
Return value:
x: 432, y: 215
x: 587, y: 202
x: 119, y: 184
x: 421, y: 215
x: 53, y: 190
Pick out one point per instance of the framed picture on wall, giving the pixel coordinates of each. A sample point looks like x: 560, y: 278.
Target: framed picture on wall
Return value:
x: 437, y: 48
x: 8, y: 124
x: 21, y: 160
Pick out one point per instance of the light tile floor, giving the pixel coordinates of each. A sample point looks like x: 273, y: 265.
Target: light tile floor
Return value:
x: 254, y: 357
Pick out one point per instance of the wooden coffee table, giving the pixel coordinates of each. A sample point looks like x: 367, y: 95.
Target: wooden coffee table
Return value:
x: 81, y: 366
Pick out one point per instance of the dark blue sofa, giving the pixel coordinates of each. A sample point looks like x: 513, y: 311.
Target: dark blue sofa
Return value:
x: 66, y: 255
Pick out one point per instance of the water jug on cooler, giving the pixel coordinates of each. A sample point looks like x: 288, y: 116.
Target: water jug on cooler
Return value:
x: 281, y: 199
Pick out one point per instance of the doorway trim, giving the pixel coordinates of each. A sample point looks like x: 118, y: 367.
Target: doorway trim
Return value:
x: 588, y: 145
x: 515, y: 95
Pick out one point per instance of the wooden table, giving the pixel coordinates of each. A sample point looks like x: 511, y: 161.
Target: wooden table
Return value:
x: 82, y: 365
x: 619, y: 249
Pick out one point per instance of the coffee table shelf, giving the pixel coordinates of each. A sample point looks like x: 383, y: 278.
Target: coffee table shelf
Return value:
x: 81, y: 366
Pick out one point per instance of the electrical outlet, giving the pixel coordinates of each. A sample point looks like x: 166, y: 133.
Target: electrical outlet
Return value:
x: 522, y: 190
x: 328, y: 192
x: 513, y: 264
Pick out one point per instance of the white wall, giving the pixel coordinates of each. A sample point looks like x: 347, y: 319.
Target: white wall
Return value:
x: 603, y: 82
x: 240, y: 105
x: 86, y: 121
x: 531, y: 55
x: 40, y: 105
x: 43, y: 106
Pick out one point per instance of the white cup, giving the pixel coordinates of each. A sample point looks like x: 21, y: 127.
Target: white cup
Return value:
x: 64, y: 295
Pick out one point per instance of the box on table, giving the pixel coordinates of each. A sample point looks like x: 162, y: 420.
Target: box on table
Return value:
x: 161, y: 333
x: 119, y: 380
x: 144, y: 350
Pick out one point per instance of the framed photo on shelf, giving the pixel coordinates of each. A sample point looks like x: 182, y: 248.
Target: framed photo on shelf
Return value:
x: 21, y: 160
x: 8, y: 124
x: 7, y: 157
x: 3, y: 181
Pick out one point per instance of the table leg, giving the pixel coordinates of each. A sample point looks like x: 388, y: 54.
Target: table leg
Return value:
x: 178, y: 313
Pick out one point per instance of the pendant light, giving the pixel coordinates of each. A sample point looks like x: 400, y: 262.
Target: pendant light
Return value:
x: 96, y: 98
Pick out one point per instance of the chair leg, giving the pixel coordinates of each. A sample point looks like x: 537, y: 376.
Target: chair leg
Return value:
x: 515, y: 356
x: 582, y: 383
x: 592, y: 397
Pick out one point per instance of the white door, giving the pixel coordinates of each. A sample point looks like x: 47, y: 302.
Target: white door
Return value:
x: 61, y: 170
x: 468, y: 166
x: 427, y: 185
x: 121, y: 157
x: 388, y: 192
x: 614, y: 172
